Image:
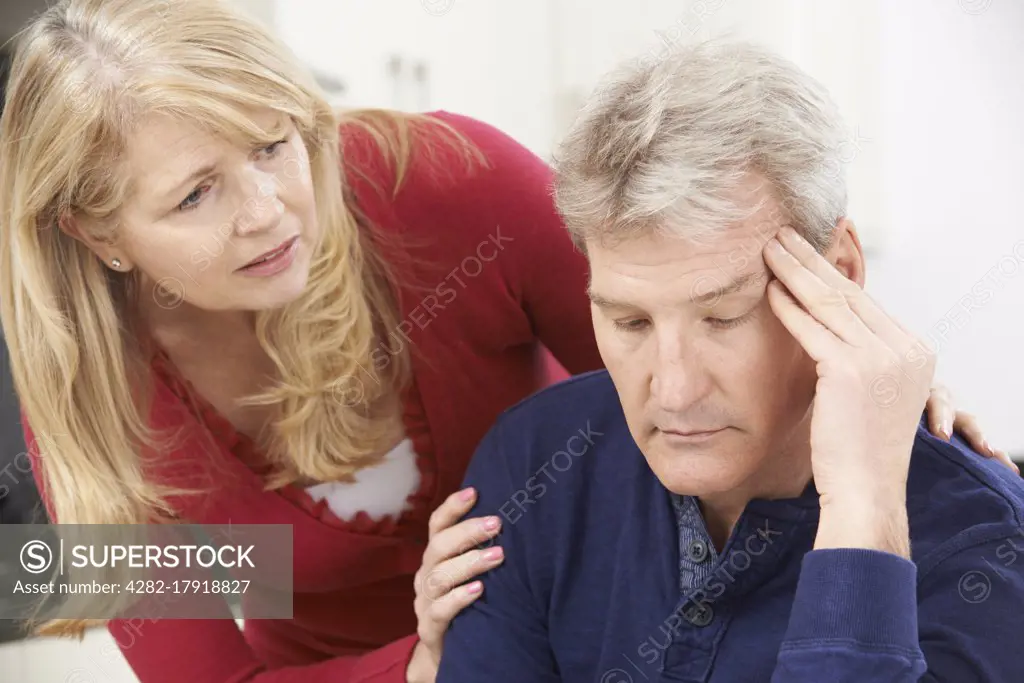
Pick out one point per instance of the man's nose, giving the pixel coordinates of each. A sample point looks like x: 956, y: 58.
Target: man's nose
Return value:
x: 681, y: 379
x: 261, y: 209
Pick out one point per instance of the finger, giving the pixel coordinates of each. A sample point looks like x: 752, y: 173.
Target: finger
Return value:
x: 451, y: 510
x: 828, y: 305
x: 458, y: 539
x: 819, y: 343
x: 1004, y: 458
x: 864, y: 307
x: 940, y: 412
x: 966, y: 425
x: 450, y: 574
x: 441, y: 612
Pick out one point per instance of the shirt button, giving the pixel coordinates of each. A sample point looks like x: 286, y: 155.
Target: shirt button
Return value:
x: 698, y: 551
x: 700, y: 615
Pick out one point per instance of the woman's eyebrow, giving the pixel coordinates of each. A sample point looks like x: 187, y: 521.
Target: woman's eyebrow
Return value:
x: 204, y: 170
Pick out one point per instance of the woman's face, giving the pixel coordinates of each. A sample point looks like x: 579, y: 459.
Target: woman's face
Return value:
x: 204, y: 211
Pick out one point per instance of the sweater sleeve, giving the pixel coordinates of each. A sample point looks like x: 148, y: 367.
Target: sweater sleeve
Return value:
x: 215, y: 651
x: 544, y: 269
x: 862, y: 615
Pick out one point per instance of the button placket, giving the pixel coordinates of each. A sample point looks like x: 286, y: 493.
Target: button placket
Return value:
x: 696, y: 554
x: 698, y: 620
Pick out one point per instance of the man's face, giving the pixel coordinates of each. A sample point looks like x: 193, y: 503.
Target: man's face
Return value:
x: 712, y: 385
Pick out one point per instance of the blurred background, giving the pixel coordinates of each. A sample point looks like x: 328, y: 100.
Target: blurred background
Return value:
x: 932, y: 91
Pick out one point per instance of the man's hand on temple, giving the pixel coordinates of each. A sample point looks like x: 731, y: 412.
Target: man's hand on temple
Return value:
x: 874, y: 379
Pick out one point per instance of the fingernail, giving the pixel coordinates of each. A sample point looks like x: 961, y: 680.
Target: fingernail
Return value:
x: 467, y: 494
x: 947, y: 430
x: 491, y: 523
x: 493, y: 554
x: 985, y: 447
x: 474, y: 587
x: 775, y: 245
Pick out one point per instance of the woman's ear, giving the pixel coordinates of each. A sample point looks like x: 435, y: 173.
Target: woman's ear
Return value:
x: 105, y: 251
x: 846, y: 253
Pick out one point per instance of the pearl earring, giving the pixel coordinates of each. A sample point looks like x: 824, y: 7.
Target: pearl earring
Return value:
x: 116, y: 262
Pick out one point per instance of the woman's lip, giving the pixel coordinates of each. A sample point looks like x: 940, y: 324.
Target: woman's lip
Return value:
x: 279, y: 248
x: 276, y: 264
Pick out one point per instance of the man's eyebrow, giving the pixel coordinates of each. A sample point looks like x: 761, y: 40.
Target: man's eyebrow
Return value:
x: 703, y: 298
x: 604, y: 302
x: 717, y: 292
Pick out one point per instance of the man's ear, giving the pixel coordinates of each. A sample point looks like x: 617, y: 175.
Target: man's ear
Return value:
x: 105, y: 251
x: 846, y: 253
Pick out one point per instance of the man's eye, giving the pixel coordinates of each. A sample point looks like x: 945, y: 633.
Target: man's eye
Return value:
x: 729, y: 323
x: 635, y: 325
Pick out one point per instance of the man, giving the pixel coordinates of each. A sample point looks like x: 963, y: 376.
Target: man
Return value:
x: 748, y: 493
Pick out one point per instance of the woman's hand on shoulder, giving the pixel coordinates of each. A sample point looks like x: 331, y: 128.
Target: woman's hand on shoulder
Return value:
x: 443, y: 587
x: 944, y: 420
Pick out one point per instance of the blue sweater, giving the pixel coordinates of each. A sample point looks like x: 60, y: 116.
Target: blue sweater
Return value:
x: 606, y: 578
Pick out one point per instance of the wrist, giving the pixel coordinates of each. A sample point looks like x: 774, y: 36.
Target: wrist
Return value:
x: 876, y: 525
x: 422, y: 668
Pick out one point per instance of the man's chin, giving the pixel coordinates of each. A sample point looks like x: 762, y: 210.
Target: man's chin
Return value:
x: 700, y: 487
x: 696, y: 471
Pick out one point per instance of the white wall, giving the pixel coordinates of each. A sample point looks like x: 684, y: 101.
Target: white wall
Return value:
x: 954, y: 177
x: 96, y: 659
x: 490, y: 60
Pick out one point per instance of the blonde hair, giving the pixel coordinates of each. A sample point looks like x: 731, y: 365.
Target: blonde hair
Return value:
x: 667, y: 144
x: 82, y: 75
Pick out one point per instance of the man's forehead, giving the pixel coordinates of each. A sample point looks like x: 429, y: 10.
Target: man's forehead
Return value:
x: 676, y: 276
x: 735, y: 246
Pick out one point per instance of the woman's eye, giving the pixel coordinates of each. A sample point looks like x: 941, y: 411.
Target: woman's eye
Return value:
x: 273, y: 148
x: 192, y: 200
x: 637, y: 325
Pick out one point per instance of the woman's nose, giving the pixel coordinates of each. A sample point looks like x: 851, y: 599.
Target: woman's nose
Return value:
x: 261, y: 208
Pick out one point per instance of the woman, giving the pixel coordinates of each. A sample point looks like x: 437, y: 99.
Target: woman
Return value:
x: 326, y: 312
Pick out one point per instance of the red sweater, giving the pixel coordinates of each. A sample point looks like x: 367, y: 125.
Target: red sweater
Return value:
x: 493, y: 276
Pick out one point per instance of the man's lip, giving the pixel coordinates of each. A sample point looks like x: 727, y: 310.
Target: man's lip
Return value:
x: 695, y: 432
x: 278, y: 248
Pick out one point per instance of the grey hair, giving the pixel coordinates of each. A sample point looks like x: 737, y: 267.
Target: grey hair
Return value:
x: 668, y: 144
